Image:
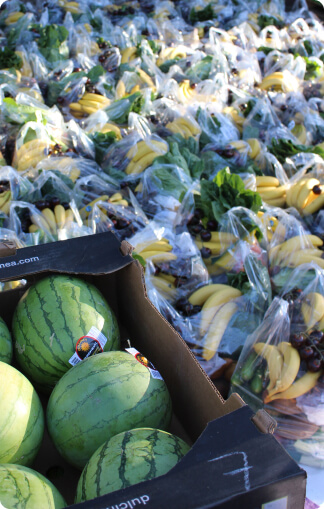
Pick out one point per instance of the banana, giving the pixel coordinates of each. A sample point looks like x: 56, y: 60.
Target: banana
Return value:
x: 277, y: 202
x: 142, y: 164
x: 85, y: 211
x: 199, y: 297
x: 270, y: 193
x: 223, y: 237
x: 59, y: 213
x: 146, y: 79
x: 5, y: 199
x: 224, y: 263
x: 33, y: 228
x: 280, y: 81
x: 50, y: 218
x: 239, y: 145
x: 40, y: 222
x: 305, y: 191
x: 304, y: 384
x: 96, y: 98
x: 167, y: 289
x: 158, y: 256
x: 128, y: 54
x: 290, y: 368
x: 143, y: 148
x: 217, y: 329
x: 266, y: 181
x: 13, y: 17
x: 157, y: 246
x: 193, y: 128
x: 120, y: 89
x: 299, y: 131
x: 255, y: 147
x: 167, y: 277
x: 215, y: 247
x: 185, y: 92
x: 315, y: 205
x: 111, y: 127
x: 236, y: 117
x: 115, y: 197
x: 274, y: 359
x: 293, y: 192
x: 292, y: 245
x: 211, y: 305
x: 69, y: 217
x: 300, y: 258
x: 312, y: 309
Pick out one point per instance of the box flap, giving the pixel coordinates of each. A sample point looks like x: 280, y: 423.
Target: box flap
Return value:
x: 7, y: 248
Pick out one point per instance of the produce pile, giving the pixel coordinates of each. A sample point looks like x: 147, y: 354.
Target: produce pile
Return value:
x: 194, y: 130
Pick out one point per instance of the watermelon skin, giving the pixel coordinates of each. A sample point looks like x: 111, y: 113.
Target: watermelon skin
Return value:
x: 49, y: 320
x: 21, y: 417
x: 129, y: 458
x: 5, y: 343
x: 100, y: 397
x: 24, y: 488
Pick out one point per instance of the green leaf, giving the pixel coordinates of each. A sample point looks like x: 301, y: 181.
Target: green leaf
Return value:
x: 265, y: 20
x: 313, y: 69
x: 9, y: 59
x: 202, y: 69
x: 201, y: 15
x: 165, y: 66
x: 139, y: 258
x: 286, y: 148
x: 51, y: 42
x: 95, y: 73
x: 102, y: 142
x: 119, y: 110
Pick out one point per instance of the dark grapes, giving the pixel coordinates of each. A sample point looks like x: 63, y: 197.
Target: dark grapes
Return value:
x: 314, y: 365
x: 205, y: 235
x: 205, y: 252
x: 306, y: 352
x: 297, y: 340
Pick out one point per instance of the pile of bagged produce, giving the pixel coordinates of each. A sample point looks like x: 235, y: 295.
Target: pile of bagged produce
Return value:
x: 195, y: 130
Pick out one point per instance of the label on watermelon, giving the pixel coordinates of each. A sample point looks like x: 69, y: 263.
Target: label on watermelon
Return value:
x: 143, y: 360
x: 88, y: 345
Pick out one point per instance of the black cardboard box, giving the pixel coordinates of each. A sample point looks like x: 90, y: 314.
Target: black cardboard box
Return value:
x: 234, y: 461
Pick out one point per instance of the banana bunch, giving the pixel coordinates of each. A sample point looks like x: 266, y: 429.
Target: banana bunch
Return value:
x: 165, y: 285
x: 312, y: 309
x: 87, y: 209
x: 218, y: 307
x: 13, y: 17
x: 129, y: 54
x: 88, y: 104
x: 307, y: 195
x: 241, y: 146
x: 271, y: 191
x: 171, y: 53
x: 237, y: 117
x: 72, y: 7
x: 143, y: 154
x: 255, y: 147
x: 270, y: 223
x: 118, y: 199
x: 157, y: 251
x: 280, y: 82
x: 51, y: 220
x: 5, y: 200
x: 186, y: 128
x: 186, y: 92
x: 218, y: 243
x: 30, y: 154
x: 296, y: 251
x: 283, y: 363
x: 299, y: 131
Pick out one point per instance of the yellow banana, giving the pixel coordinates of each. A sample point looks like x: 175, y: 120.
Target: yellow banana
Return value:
x: 158, y: 256
x: 142, y: 164
x: 156, y: 246
x: 111, y: 127
x: 40, y: 222
x: 305, y: 191
x: 142, y: 148
x: 293, y: 192
x: 167, y: 277
x: 290, y: 368
x: 294, y: 244
x: 85, y: 211
x: 193, y: 128
x: 314, y: 206
x: 167, y: 289
x: 33, y: 228
x: 304, y: 384
x: 199, y: 297
x: 296, y: 259
x: 312, y: 309
x: 223, y: 237
x: 69, y: 217
x: 59, y: 213
x: 217, y: 329
x: 299, y: 130
x: 276, y: 202
x: 211, y: 306
x: 5, y: 199
x: 128, y: 54
x: 50, y: 218
x: 255, y: 147
x: 146, y: 79
x: 274, y: 360
x: 269, y: 193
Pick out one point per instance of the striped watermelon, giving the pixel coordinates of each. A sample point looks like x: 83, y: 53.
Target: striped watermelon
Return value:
x: 5, y: 343
x: 24, y: 488
x: 100, y: 397
x: 21, y: 417
x: 49, y: 320
x: 129, y: 458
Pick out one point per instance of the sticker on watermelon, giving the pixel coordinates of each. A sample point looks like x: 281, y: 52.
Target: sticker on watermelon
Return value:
x: 143, y: 360
x: 90, y: 344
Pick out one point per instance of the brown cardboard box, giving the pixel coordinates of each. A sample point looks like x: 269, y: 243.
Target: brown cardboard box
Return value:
x: 234, y: 462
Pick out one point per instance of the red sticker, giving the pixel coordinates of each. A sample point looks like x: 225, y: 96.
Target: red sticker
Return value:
x: 86, y: 346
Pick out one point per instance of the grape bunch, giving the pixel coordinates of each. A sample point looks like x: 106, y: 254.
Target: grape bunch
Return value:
x: 197, y: 225
x: 310, y: 346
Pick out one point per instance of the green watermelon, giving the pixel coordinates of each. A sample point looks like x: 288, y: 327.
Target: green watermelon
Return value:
x: 21, y: 417
x: 100, y: 397
x: 5, y: 343
x: 129, y: 458
x: 51, y: 318
x: 24, y: 488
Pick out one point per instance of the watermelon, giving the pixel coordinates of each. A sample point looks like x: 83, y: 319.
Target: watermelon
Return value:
x: 100, y: 397
x: 5, y: 343
x: 24, y: 488
x: 21, y: 417
x: 129, y: 458
x: 50, y: 319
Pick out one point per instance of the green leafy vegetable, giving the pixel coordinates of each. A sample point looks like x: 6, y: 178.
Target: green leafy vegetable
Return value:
x: 202, y: 69
x: 286, y: 148
x: 313, y: 69
x: 223, y: 193
x: 202, y: 14
x: 165, y: 66
x: 95, y: 73
x: 9, y: 59
x: 51, y: 42
x: 102, y: 142
x: 264, y: 20
x: 119, y: 110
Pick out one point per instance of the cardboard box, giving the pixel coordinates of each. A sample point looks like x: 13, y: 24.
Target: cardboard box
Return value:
x: 234, y: 460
